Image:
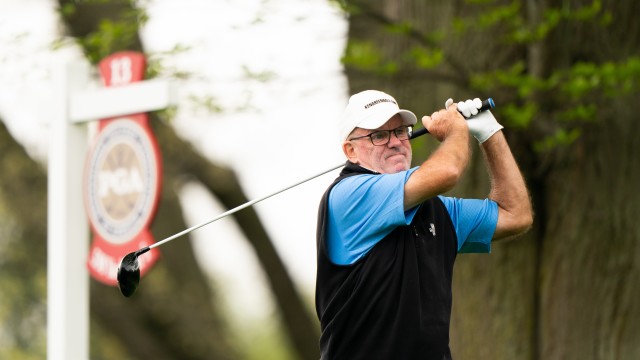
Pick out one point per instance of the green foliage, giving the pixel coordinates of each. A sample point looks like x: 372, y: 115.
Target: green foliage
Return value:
x: 346, y: 6
x: 562, y: 137
x: 575, y: 92
x: 519, y: 116
x: 577, y: 85
x: 365, y: 56
x: 156, y: 63
x: 516, y: 29
x: 487, y: 15
x: 67, y: 10
x: 207, y: 103
x: 400, y: 27
x: 610, y: 78
x: 110, y: 35
x: 426, y: 58
x: 509, y: 14
x: 513, y: 77
x: 260, y: 76
x: 578, y: 112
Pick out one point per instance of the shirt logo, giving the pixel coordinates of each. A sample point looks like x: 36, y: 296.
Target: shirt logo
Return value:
x: 432, y: 229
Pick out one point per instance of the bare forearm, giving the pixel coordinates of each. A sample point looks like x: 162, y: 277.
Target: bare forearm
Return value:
x: 508, y: 188
x: 441, y: 171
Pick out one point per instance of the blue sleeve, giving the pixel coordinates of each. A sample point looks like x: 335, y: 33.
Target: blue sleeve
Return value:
x: 474, y: 221
x: 363, y: 209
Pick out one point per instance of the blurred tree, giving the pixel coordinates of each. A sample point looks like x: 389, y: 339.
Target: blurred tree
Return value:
x: 565, y: 76
x: 175, y: 317
x: 23, y: 252
x: 104, y: 27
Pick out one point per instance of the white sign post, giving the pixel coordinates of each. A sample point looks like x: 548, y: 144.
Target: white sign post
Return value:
x: 67, y: 223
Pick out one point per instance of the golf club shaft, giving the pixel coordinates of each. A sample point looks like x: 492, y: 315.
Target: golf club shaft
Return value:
x: 486, y: 104
x: 237, y: 208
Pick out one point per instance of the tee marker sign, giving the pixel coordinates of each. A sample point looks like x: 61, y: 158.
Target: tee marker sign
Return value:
x: 75, y: 102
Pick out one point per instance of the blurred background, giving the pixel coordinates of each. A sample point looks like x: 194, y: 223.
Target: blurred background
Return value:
x: 261, y: 85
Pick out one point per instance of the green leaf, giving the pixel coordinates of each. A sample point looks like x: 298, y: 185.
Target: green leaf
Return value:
x: 362, y: 54
x: 499, y: 14
x: 68, y: 9
x: 402, y: 28
x: 579, y: 112
x: 519, y: 116
x: 426, y: 58
x: 365, y: 55
x: 562, y: 137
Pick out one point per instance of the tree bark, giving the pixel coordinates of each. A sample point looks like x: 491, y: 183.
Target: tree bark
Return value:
x: 589, y: 287
x: 566, y: 289
x: 23, y: 253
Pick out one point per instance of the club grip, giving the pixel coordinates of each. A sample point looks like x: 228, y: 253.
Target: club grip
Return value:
x: 487, y: 104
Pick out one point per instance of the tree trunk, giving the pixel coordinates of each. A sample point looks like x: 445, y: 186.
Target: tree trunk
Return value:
x: 23, y: 250
x: 180, y: 159
x: 589, y: 289
x: 590, y: 264
x: 568, y: 288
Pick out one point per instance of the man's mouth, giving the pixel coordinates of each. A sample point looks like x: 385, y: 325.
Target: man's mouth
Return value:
x: 392, y: 155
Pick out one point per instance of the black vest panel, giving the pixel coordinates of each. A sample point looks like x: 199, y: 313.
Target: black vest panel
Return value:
x: 395, y: 302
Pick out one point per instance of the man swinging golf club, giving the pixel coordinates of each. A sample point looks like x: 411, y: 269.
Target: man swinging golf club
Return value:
x: 387, y: 239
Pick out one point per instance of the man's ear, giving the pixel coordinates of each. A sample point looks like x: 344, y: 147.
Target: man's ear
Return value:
x: 350, y: 151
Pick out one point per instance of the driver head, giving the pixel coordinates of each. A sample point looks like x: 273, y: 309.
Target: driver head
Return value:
x: 129, y: 274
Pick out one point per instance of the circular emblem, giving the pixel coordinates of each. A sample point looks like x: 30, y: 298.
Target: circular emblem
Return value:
x: 122, y: 181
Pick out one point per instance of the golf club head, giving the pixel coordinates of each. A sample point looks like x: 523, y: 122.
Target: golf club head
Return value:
x: 129, y: 274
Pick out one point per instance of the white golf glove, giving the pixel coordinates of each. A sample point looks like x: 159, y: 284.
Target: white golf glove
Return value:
x: 482, y: 125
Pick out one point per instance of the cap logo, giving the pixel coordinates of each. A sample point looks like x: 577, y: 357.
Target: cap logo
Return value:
x: 378, y: 102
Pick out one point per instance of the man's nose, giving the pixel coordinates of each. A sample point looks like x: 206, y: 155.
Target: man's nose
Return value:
x: 393, y: 140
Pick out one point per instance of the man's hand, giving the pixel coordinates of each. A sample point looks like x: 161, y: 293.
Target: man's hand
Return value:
x: 482, y: 125
x: 445, y: 122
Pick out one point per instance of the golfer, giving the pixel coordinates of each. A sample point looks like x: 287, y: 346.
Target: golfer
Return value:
x: 387, y: 239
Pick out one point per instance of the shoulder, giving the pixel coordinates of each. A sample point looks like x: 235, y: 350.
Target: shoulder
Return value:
x: 367, y: 181
x: 363, y: 186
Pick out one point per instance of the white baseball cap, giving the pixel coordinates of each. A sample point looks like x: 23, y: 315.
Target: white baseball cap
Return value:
x: 370, y: 109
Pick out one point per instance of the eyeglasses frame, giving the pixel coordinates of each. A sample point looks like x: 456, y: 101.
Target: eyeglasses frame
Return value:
x: 409, y: 132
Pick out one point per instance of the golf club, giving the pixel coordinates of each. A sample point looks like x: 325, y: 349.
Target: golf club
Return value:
x: 129, y: 269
